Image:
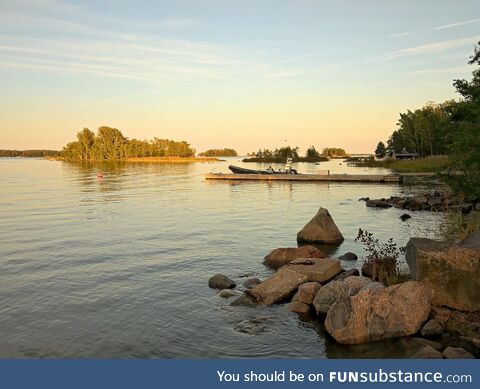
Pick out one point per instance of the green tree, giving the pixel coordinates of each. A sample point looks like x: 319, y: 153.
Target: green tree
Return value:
x: 86, y: 140
x: 334, y: 152
x: 312, y: 152
x: 286, y: 152
x: 464, y: 150
x: 381, y: 150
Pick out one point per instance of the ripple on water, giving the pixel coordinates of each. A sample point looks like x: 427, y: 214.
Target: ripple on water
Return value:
x: 118, y: 267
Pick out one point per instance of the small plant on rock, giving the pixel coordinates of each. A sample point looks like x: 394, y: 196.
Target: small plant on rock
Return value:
x: 381, y: 263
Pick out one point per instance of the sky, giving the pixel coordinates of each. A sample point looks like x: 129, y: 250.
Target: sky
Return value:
x: 241, y: 74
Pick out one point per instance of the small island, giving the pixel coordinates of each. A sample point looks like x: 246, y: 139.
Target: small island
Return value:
x: 219, y: 153
x: 280, y: 155
x: 109, y: 144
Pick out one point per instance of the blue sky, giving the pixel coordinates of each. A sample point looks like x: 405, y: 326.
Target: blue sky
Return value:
x: 242, y: 74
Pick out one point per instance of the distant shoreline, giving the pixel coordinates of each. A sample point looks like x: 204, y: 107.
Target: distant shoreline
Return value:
x: 150, y: 160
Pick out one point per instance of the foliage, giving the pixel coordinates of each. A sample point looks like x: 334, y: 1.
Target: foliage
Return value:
x: 28, y: 153
x: 464, y: 148
x: 459, y: 226
x: 382, y: 258
x: 312, y: 152
x: 334, y: 152
x: 219, y: 153
x: 281, y: 153
x: 110, y: 144
x: 423, y: 131
x: 429, y: 164
x: 451, y: 128
x: 377, y: 251
x: 381, y: 150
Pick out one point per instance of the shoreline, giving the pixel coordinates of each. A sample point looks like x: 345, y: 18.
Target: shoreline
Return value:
x: 148, y: 160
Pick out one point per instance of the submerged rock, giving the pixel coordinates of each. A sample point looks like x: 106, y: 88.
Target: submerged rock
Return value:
x: 321, y: 229
x: 348, y: 257
x: 378, y: 204
x: 428, y: 352
x: 219, y: 281
x: 456, y: 353
x: 405, y: 216
x: 227, y: 293
x: 376, y: 314
x: 298, y: 307
x: 255, y: 326
x: 281, y: 256
x: 244, y: 301
x: 278, y: 287
x: 251, y: 282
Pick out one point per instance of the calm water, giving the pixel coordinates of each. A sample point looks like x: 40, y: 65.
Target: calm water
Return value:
x: 118, y: 267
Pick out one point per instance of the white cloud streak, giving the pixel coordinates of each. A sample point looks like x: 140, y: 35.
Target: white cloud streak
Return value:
x: 431, y: 48
x: 437, y: 28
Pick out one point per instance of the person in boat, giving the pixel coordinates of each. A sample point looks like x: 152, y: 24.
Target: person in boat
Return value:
x: 288, y: 166
x: 270, y: 169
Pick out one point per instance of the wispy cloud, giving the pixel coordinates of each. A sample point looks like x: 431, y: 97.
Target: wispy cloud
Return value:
x: 282, y: 74
x: 455, y: 70
x: 437, y: 28
x: 129, y: 96
x: 431, y: 48
x: 298, y: 58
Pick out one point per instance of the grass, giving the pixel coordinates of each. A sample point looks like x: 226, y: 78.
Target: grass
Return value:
x: 459, y: 226
x: 433, y: 164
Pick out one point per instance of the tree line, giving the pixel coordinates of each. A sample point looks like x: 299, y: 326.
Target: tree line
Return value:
x: 450, y: 128
x: 219, y: 153
x: 281, y: 154
x: 110, y: 144
x: 292, y: 152
x: 29, y: 153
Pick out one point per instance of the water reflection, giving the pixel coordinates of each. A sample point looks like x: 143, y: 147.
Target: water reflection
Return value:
x: 118, y: 267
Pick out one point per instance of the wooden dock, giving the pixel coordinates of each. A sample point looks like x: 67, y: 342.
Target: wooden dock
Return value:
x: 372, y: 178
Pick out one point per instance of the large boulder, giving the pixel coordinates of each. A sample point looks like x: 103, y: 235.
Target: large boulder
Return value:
x: 321, y: 229
x: 278, y: 287
x: 415, y: 245
x: 376, y: 314
x: 281, y: 256
x: 306, y: 293
x: 316, y: 269
x: 454, y: 275
x: 336, y: 290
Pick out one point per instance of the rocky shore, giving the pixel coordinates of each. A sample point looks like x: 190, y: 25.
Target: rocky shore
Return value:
x: 436, y: 202
x: 436, y: 308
